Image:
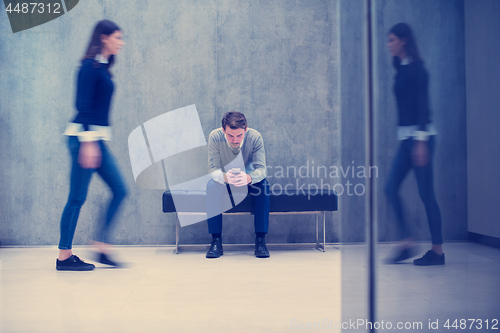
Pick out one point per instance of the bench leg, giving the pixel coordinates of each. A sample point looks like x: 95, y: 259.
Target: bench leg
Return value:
x: 317, y: 242
x: 319, y: 246
x: 177, y: 235
x: 324, y: 230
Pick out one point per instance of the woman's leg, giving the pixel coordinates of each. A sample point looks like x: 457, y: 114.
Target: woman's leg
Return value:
x: 425, y: 182
x: 109, y: 172
x: 79, y: 183
x: 400, y: 167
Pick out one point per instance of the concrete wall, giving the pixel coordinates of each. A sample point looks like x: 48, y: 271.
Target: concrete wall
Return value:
x: 294, y: 68
x: 274, y: 61
x: 482, y: 40
x: 352, y: 106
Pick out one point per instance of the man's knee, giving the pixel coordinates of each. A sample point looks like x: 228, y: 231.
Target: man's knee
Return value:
x: 260, y: 188
x: 212, y: 185
x: 215, y: 189
x: 263, y: 184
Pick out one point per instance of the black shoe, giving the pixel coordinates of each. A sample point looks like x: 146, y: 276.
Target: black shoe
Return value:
x: 215, y: 250
x: 260, y: 248
x: 430, y: 258
x: 401, y: 255
x: 73, y: 263
x: 104, y: 259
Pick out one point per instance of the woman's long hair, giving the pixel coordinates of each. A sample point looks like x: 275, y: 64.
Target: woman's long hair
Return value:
x: 104, y: 27
x: 403, y: 30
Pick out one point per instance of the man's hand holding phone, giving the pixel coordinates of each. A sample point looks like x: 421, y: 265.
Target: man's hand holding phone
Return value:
x: 237, y: 177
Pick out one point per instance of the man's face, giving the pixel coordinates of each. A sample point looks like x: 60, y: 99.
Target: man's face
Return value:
x: 234, y: 136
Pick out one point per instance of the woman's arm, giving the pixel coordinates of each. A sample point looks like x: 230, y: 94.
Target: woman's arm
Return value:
x: 89, y: 155
x: 420, y: 151
x: 422, y: 86
x: 85, y: 92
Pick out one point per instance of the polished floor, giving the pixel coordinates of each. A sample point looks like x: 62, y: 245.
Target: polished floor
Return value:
x: 294, y: 290
x: 466, y: 288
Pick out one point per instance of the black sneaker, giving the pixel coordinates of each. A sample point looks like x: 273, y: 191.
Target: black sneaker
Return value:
x: 73, y: 263
x: 215, y: 250
x: 401, y: 255
x: 104, y: 259
x: 430, y: 258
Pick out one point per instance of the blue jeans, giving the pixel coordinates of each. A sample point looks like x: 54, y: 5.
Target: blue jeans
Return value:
x: 262, y: 204
x: 401, y: 166
x: 80, y: 180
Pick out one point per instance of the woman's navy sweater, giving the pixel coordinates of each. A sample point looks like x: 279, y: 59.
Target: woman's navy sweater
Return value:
x: 93, y: 94
x: 412, y: 94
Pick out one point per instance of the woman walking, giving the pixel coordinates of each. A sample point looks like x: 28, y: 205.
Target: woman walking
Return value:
x: 417, y: 134
x: 86, y: 135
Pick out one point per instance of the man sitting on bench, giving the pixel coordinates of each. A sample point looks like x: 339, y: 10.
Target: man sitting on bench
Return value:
x: 237, y: 163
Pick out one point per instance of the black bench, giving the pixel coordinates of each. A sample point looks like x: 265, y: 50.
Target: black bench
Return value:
x: 192, y: 203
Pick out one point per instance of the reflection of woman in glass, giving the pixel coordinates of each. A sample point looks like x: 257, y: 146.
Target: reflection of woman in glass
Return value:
x: 86, y: 135
x: 417, y: 135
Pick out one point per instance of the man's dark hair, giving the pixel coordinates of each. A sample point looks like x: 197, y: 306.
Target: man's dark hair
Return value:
x: 234, y: 120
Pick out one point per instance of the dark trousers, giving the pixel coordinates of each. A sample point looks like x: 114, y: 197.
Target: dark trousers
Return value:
x: 401, y: 166
x: 216, y: 193
x: 80, y: 180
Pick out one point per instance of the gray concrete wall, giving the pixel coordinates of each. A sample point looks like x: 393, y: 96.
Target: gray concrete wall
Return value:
x: 482, y: 40
x: 274, y: 61
x: 352, y: 80
x: 294, y: 68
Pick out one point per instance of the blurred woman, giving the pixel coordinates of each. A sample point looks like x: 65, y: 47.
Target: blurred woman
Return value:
x: 86, y: 135
x: 416, y: 133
